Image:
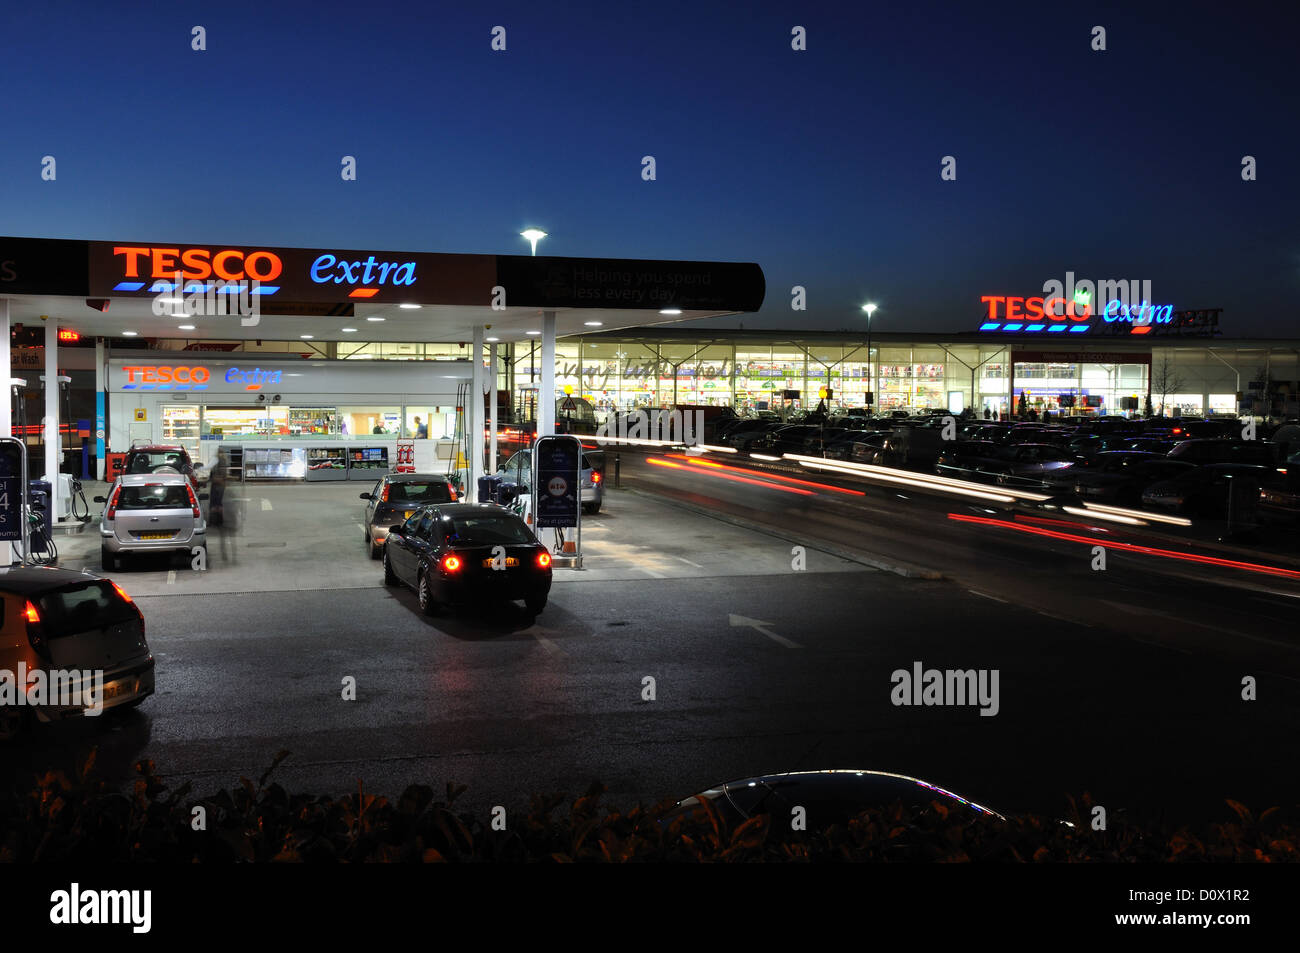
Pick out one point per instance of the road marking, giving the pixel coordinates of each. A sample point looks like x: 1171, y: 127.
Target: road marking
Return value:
x: 689, y: 563
x: 171, y: 577
x: 740, y: 620
x: 266, y: 504
x: 985, y: 595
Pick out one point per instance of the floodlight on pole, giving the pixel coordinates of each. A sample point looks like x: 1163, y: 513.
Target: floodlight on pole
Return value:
x: 534, y: 235
x: 871, y: 397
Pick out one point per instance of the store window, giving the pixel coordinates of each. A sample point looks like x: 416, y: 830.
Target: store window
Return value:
x: 361, y: 420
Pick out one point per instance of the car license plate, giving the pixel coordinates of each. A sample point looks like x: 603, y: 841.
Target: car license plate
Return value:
x: 407, y: 515
x: 160, y: 534
x: 511, y: 562
x: 114, y: 689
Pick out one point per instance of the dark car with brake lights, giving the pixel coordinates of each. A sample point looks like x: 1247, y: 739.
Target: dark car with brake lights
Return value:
x: 56, y: 620
x: 395, y: 497
x: 463, y: 553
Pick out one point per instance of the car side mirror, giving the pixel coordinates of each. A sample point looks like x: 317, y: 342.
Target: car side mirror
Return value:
x: 101, y: 499
x: 395, y: 529
x: 365, y: 496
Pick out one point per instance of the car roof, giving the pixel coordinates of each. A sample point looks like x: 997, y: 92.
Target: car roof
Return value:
x: 416, y: 477
x: 158, y: 448
x: 471, y: 509
x: 142, y: 479
x: 29, y: 580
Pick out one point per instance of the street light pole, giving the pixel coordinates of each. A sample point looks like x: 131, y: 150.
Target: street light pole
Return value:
x: 870, y: 309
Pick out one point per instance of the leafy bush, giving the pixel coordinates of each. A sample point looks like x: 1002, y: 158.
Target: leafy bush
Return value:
x: 82, y: 819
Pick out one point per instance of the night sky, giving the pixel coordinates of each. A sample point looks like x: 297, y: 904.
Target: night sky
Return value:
x: 822, y: 166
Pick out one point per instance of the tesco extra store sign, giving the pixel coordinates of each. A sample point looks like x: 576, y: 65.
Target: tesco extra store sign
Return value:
x: 186, y: 377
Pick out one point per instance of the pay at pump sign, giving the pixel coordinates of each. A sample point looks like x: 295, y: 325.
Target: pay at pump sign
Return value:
x: 558, y: 481
x: 11, y: 491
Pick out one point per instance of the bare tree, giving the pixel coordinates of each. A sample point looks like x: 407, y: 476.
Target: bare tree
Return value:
x: 1165, y: 380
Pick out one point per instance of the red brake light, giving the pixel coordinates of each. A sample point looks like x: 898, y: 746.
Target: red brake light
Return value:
x: 595, y: 476
x: 383, y: 494
x: 451, y: 563
x: 116, y: 588
x: 112, y: 504
x: 35, y: 634
x: 194, y: 503
x: 543, y: 559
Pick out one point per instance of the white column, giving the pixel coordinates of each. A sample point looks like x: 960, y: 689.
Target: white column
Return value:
x: 546, y: 389
x: 101, y: 410
x: 475, y: 415
x: 492, y: 409
x: 53, y: 443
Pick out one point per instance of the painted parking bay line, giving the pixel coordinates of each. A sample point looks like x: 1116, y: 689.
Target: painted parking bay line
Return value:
x: 742, y: 621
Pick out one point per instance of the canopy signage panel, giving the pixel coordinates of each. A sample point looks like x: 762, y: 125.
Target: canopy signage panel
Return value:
x: 622, y: 283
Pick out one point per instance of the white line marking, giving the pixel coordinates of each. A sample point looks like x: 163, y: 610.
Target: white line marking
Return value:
x: 171, y: 577
x: 547, y: 644
x: 266, y: 504
x: 689, y: 563
x: 985, y: 595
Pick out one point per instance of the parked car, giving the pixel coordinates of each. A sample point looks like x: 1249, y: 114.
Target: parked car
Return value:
x: 519, y: 470
x: 827, y: 797
x: 150, y: 513
x: 395, y: 497
x: 841, y: 448
x: 1202, y: 451
x: 1117, y: 476
x: 1207, y: 490
x: 1149, y: 445
x: 453, y: 554
x: 55, y: 620
x: 1030, y: 463
x: 159, y: 458
x: 966, y: 459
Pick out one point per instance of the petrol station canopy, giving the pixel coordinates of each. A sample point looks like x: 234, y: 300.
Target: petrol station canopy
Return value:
x: 102, y: 288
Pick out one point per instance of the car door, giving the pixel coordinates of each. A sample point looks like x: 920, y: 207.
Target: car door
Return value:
x: 401, y: 557
x: 373, y: 502
x: 421, y: 542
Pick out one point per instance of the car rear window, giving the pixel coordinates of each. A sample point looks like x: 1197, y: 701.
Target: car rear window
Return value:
x: 147, y: 461
x: 488, y: 530
x: 435, y: 492
x: 81, y: 607
x: 154, y: 496
x: 593, y: 461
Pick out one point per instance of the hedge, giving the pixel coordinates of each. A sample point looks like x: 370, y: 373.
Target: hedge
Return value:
x: 83, y: 819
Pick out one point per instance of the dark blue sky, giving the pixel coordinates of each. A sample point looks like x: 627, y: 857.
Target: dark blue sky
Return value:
x: 822, y: 166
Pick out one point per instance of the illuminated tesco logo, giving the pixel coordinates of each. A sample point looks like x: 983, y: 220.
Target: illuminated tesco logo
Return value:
x: 228, y: 264
x: 165, y: 377
x: 1035, y: 308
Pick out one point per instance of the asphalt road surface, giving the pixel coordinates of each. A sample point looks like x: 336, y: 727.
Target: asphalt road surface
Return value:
x: 767, y: 652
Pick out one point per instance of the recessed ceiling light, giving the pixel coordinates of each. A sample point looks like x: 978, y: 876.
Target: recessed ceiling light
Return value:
x: 670, y: 311
x: 409, y: 307
x: 532, y: 332
x: 593, y: 324
x: 374, y: 319
x: 348, y: 330
x: 172, y: 300
x: 492, y: 340
x: 129, y: 334
x: 185, y: 327
x: 306, y: 337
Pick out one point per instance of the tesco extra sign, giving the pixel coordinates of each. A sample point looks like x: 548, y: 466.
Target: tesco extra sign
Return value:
x: 165, y: 377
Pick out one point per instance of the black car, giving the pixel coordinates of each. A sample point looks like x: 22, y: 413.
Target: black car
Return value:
x: 1117, y: 476
x: 1214, y: 490
x: 828, y: 797
x: 460, y: 553
x: 1202, y: 451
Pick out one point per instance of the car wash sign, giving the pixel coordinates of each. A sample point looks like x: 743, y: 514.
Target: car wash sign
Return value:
x: 558, y: 480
